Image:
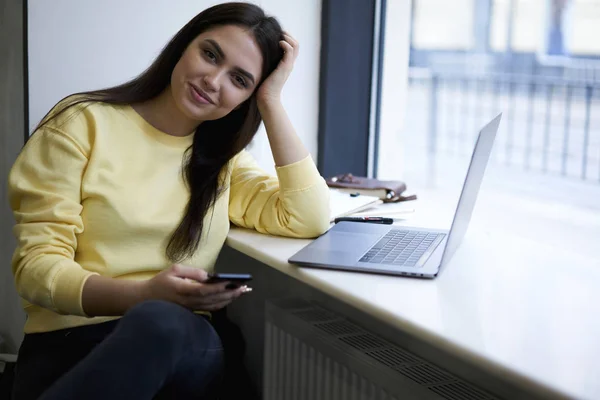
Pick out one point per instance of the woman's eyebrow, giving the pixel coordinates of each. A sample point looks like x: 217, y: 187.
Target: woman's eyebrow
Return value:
x: 218, y: 48
x: 221, y: 54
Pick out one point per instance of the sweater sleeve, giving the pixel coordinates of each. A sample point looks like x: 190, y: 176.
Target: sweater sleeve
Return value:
x: 45, y: 196
x: 294, y: 204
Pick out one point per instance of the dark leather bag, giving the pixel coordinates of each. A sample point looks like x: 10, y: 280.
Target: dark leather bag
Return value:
x: 388, y: 191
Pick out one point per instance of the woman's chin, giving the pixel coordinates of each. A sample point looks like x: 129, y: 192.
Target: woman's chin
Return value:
x: 200, y: 113
x: 193, y: 112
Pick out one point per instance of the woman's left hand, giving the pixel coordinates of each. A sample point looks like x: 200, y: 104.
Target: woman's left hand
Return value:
x: 270, y: 90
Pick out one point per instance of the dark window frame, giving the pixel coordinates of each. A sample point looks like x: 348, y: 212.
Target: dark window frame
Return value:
x: 25, y: 71
x: 345, y: 89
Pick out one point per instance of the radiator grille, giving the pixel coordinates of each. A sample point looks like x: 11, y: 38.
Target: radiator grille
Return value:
x: 392, y: 357
x: 296, y: 371
x: 312, y: 353
x: 425, y: 374
x: 460, y: 391
x: 339, y: 328
x: 363, y: 342
x: 315, y: 315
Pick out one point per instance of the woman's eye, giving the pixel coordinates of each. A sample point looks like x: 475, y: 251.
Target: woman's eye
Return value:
x: 241, y: 81
x: 210, y: 55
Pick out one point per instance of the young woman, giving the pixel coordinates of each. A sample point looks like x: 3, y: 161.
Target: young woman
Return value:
x: 123, y: 198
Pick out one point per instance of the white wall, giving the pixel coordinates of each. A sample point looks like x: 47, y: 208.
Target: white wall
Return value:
x: 82, y: 45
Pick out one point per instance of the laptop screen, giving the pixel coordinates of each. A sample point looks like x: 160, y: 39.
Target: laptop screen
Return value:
x: 468, y: 195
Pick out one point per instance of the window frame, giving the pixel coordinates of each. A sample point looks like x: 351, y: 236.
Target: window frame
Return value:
x: 352, y: 33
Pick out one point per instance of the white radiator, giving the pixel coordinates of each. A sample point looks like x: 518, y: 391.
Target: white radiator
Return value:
x: 314, y: 354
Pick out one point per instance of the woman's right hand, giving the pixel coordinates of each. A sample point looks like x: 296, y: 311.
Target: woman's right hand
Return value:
x: 185, y: 286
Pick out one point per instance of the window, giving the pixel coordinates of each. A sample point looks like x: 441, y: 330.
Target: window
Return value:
x: 584, y: 28
x: 455, y: 36
x: 527, y: 21
x: 545, y: 168
x: 549, y: 27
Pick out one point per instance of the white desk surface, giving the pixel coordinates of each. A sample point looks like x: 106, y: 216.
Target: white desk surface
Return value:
x: 521, y: 296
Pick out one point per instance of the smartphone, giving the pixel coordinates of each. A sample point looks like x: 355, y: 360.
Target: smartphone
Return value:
x: 236, y: 280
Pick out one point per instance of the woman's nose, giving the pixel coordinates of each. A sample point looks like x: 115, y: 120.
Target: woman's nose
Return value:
x: 212, y: 81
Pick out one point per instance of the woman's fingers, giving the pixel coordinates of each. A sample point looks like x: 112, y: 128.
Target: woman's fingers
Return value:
x: 193, y: 293
x: 190, y: 288
x: 218, y: 306
x: 230, y: 294
x: 207, y: 302
x: 288, y: 52
x: 291, y: 40
x: 290, y: 46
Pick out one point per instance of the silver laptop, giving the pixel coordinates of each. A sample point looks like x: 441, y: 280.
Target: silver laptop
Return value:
x: 400, y: 250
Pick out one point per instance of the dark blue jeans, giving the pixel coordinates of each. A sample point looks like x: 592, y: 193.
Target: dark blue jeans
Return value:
x: 156, y: 350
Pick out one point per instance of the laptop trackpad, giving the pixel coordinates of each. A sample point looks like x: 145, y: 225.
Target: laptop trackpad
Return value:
x: 347, y: 242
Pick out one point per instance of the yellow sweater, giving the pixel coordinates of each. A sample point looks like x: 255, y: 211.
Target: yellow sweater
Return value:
x: 100, y: 191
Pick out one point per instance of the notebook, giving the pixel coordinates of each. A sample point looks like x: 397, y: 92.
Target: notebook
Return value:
x: 342, y: 204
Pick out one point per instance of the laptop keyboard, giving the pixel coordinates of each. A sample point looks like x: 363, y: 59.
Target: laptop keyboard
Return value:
x: 402, y: 248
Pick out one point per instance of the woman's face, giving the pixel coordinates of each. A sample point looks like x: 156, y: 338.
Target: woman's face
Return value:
x: 218, y: 71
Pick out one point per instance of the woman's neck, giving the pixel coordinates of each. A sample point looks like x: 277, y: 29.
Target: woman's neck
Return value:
x: 162, y: 113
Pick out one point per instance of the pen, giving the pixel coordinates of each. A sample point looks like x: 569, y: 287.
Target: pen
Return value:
x: 371, y: 220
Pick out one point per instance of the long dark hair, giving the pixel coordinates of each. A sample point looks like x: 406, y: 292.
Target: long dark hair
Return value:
x: 219, y: 140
